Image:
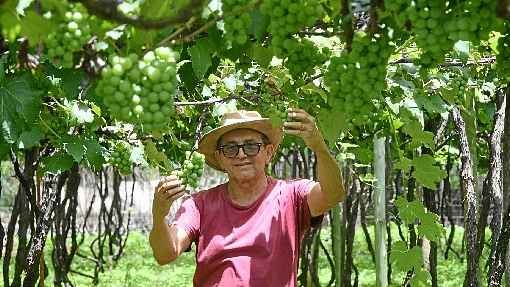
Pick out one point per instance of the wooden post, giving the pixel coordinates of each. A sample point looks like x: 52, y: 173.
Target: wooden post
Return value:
x: 380, y: 212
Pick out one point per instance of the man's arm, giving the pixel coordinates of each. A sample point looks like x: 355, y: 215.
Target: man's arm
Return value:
x: 167, y: 241
x: 330, y: 189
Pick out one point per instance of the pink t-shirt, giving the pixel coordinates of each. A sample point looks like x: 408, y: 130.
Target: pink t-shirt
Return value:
x: 255, y: 245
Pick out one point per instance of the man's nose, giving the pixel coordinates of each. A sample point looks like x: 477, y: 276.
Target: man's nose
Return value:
x: 241, y: 153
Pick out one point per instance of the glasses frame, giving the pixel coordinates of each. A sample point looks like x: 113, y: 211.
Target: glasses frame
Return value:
x: 240, y: 146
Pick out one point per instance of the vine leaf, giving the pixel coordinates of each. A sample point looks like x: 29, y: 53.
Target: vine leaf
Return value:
x: 58, y: 163
x: 405, y: 259
x: 415, y: 130
x: 262, y: 55
x: 430, y: 227
x: 331, y: 123
x: 200, y: 58
x: 19, y: 104
x: 259, y: 23
x: 95, y: 153
x: 75, y: 146
x: 35, y: 27
x: 420, y: 278
x: 9, y: 21
x: 426, y: 172
x: 31, y: 138
x: 157, y: 157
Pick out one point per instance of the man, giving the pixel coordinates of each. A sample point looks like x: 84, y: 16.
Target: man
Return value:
x: 248, y: 231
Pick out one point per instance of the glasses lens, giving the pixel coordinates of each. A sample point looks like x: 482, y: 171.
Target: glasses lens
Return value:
x: 230, y: 150
x: 251, y: 149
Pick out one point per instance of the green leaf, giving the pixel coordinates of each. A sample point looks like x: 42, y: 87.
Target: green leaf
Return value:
x: 431, y: 103
x: 9, y: 21
x: 75, y: 146
x: 200, y: 57
x: 420, y: 137
x: 156, y: 157
x: 331, y: 124
x: 58, y: 163
x: 398, y: 256
x: 420, y: 278
x: 31, y: 138
x: 19, y: 105
x: 4, y: 148
x: 430, y: 227
x: 95, y: 153
x: 35, y: 27
x: 426, y: 172
x: 262, y: 55
x: 259, y: 24
x: 22, y: 5
x: 404, y: 164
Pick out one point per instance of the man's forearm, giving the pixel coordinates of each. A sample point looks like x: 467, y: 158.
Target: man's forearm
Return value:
x: 161, y: 241
x: 329, y: 175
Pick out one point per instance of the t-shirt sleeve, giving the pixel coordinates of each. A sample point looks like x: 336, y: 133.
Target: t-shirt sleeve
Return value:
x: 188, y: 217
x: 305, y: 220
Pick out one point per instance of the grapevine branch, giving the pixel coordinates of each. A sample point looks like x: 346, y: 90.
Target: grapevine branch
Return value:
x: 451, y: 62
x: 107, y: 10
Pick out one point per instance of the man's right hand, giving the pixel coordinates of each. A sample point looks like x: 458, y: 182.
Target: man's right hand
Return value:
x: 166, y: 192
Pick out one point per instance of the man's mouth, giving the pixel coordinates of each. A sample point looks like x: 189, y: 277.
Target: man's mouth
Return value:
x: 243, y: 164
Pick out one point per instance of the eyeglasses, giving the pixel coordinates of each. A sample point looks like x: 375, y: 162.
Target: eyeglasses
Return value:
x: 232, y: 150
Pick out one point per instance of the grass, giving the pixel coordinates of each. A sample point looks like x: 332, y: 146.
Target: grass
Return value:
x: 137, y: 267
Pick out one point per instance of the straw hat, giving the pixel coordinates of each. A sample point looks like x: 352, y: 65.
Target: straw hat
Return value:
x: 237, y: 120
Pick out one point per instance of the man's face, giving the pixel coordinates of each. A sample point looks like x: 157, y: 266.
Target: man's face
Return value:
x: 243, y: 166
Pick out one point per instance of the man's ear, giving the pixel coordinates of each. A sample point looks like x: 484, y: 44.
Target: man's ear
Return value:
x: 270, y: 149
x: 218, y: 158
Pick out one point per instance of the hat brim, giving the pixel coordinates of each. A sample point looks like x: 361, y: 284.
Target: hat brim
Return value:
x: 207, y: 145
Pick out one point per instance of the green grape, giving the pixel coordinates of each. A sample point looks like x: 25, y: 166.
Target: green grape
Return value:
x: 120, y: 157
x: 287, y: 18
x: 303, y: 57
x: 191, y: 169
x: 238, y: 24
x: 354, y: 86
x: 70, y: 36
x: 141, y: 91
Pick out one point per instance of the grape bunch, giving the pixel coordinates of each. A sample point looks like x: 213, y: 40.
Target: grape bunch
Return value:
x: 120, y: 157
x: 456, y: 88
x: 237, y: 25
x: 425, y: 19
x: 357, y: 78
x: 287, y: 17
x: 192, y: 169
x: 304, y: 56
x: 473, y: 20
x: 503, y: 57
x: 141, y: 90
x: 69, y: 37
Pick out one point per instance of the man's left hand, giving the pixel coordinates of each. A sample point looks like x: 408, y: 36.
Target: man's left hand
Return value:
x: 303, y: 125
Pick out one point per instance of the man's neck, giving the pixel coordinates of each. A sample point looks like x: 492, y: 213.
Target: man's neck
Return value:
x: 246, y: 192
